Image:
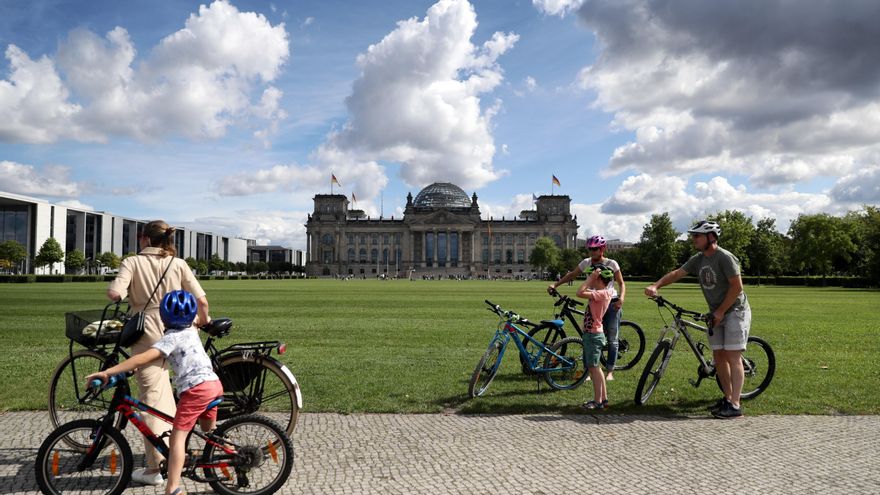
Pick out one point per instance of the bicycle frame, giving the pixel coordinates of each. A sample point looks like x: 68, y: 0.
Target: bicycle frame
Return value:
x: 509, y: 332
x: 130, y: 407
x: 679, y: 328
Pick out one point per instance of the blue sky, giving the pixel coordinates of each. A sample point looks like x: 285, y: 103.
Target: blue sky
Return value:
x: 230, y: 116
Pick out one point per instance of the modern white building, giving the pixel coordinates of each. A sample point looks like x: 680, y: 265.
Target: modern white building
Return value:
x: 31, y: 221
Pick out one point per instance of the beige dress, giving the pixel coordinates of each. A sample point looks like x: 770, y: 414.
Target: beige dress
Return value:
x: 137, y: 278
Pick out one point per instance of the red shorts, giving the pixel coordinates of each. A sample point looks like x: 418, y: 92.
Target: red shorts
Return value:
x: 193, y: 402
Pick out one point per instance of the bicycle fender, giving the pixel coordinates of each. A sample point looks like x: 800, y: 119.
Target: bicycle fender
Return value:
x: 284, y: 369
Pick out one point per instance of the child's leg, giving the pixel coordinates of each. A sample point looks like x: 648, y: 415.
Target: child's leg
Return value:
x: 599, y: 391
x: 175, y: 459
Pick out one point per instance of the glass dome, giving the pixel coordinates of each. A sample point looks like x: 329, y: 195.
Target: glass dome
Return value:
x: 442, y: 195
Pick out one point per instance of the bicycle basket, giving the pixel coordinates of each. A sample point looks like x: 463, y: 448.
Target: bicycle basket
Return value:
x: 94, y: 327
x: 237, y: 377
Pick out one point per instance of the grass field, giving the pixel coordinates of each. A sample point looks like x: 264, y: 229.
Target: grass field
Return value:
x: 400, y: 346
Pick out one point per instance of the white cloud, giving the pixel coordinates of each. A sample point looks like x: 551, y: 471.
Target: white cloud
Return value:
x: 859, y: 188
x: 52, y: 180
x: 703, y: 92
x: 196, y: 82
x: 509, y: 211
x: 626, y: 212
x: 417, y: 100
x: 280, y: 227
x: 557, y: 7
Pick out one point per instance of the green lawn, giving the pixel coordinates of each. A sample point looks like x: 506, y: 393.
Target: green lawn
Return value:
x: 400, y: 346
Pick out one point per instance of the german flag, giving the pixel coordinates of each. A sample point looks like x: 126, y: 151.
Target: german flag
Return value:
x: 556, y: 181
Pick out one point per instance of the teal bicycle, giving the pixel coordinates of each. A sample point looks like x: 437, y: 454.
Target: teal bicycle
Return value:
x: 561, y: 364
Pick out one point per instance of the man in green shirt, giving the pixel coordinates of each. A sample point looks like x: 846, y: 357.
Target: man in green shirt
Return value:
x: 719, y: 273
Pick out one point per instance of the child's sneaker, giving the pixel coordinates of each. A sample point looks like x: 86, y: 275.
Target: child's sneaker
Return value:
x: 141, y: 476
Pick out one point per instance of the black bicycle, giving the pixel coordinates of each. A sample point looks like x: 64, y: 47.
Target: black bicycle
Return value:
x: 631, y: 338
x: 759, y: 361
x: 246, y: 454
x: 253, y: 380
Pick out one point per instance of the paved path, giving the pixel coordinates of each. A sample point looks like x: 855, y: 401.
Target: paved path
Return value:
x: 543, y: 454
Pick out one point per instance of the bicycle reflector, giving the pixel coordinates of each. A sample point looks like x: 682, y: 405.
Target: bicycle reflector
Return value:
x: 282, y: 348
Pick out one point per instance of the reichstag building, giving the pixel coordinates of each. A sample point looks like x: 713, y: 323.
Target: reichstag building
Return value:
x: 441, y: 233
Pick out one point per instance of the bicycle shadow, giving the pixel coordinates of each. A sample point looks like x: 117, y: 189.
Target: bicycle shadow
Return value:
x: 17, y: 466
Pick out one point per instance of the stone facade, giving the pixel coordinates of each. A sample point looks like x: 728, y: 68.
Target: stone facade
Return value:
x: 441, y: 232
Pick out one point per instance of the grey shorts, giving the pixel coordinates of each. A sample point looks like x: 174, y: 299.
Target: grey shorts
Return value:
x: 733, y: 331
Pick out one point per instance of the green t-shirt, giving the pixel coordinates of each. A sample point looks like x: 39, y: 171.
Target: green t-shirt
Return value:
x: 714, y: 273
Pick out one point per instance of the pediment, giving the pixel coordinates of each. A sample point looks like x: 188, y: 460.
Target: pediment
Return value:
x: 440, y: 217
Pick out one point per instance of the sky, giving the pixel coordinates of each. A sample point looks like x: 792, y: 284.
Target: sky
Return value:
x: 230, y: 116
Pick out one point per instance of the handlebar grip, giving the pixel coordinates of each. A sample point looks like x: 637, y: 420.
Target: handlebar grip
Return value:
x: 95, y: 384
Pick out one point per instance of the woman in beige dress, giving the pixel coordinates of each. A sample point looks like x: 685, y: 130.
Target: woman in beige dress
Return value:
x: 138, y: 276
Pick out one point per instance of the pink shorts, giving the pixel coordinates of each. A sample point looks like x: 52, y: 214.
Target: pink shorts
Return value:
x: 193, y: 402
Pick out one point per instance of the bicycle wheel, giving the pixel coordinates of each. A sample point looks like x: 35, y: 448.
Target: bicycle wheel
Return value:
x: 486, y: 370
x: 262, y: 462
x: 68, y: 387
x: 57, y: 464
x: 759, y: 363
x: 567, y: 371
x: 630, y: 346
x: 258, y: 384
x: 547, y: 334
x: 651, y: 375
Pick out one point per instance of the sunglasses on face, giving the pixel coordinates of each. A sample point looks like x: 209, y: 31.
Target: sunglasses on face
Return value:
x: 593, y: 249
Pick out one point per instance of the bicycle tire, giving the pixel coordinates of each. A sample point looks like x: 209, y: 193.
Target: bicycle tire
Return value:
x: 56, y: 465
x: 545, y: 333
x: 759, y: 363
x: 65, y: 391
x: 486, y: 370
x: 567, y: 378
x: 261, y: 442
x: 631, y: 346
x: 241, y: 394
x: 661, y: 352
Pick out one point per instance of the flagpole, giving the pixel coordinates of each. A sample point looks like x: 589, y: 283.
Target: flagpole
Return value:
x: 331, y: 183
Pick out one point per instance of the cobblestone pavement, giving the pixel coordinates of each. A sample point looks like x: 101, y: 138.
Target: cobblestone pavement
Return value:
x: 542, y: 454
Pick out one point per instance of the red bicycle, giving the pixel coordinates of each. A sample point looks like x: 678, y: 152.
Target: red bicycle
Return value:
x: 246, y: 454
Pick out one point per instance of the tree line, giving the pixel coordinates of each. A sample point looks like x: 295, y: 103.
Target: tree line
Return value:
x: 814, y: 245
x: 13, y: 255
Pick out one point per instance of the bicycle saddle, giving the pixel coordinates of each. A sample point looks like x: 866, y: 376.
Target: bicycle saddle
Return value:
x: 218, y: 328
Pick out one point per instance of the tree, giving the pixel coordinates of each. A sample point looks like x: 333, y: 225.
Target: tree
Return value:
x: 817, y: 241
x: 766, y: 249
x: 128, y: 255
x: 201, y: 267
x: 11, y: 254
x: 871, y: 239
x: 737, y: 231
x: 49, y: 254
x: 109, y: 259
x: 544, y: 255
x: 75, y: 261
x: 657, y: 245
x: 191, y: 262
x: 216, y: 264
x: 568, y: 259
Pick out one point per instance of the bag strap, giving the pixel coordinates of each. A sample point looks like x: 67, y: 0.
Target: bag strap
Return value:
x: 160, y: 281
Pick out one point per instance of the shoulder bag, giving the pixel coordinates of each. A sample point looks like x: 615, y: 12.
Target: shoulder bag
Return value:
x: 133, y: 329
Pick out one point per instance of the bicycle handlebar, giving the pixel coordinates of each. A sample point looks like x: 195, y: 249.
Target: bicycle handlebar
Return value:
x: 112, y: 381
x: 707, y: 318
x: 505, y: 313
x: 562, y: 299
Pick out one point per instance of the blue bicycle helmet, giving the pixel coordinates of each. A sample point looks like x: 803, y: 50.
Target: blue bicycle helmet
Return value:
x: 178, y: 309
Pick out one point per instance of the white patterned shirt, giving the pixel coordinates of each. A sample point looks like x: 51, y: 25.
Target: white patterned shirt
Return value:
x: 184, y: 350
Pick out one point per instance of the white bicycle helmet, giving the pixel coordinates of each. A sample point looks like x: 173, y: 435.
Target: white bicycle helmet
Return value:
x: 706, y: 226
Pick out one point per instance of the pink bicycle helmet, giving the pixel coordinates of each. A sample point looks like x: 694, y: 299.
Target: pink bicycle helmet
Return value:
x: 597, y: 241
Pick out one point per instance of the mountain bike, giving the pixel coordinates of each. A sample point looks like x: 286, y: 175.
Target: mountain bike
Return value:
x: 246, y: 454
x: 759, y: 361
x: 253, y: 380
x: 561, y: 364
x: 631, y: 338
